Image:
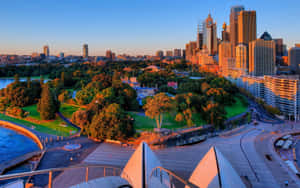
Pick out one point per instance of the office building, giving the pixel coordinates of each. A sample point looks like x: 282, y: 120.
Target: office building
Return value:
x: 210, y: 35
x: 262, y: 57
x: 85, y: 51
x: 234, y: 24
x: 241, y: 56
x: 225, y: 33
x: 46, y: 51
x: 169, y: 53
x: 199, y: 37
x: 283, y: 93
x: 159, y: 53
x: 190, y: 50
x: 177, y: 52
x: 225, y: 52
x: 109, y: 54
x: 294, y: 58
x: 279, y: 47
x: 246, y: 26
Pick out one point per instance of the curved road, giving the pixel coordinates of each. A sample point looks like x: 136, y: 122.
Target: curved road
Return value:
x: 245, y: 150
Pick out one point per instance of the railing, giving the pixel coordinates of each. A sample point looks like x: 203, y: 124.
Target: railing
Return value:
x: 159, y: 172
x: 116, y: 172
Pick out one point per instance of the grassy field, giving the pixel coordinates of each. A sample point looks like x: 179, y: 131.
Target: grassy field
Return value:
x: 144, y: 123
x: 57, y: 126
x: 237, y: 108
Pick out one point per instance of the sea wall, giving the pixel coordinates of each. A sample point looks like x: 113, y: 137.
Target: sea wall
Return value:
x: 24, y: 131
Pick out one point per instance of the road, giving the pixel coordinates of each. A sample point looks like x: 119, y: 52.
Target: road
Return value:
x: 245, y: 151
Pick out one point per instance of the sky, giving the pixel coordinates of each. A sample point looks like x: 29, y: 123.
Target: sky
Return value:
x: 129, y: 26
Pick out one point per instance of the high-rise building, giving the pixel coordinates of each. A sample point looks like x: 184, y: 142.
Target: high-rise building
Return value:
x: 169, y: 53
x: 234, y: 24
x: 262, y: 57
x: 294, y: 58
x: 160, y: 53
x: 246, y: 26
x: 241, y: 56
x: 210, y: 35
x: 199, y: 37
x: 46, y: 50
x: 190, y: 50
x: 85, y: 51
x: 177, y: 52
x: 109, y: 54
x: 183, y: 53
x: 61, y: 55
x: 226, y: 57
x: 225, y: 33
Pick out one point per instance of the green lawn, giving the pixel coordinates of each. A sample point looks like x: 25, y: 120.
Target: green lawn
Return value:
x: 144, y: 123
x: 57, y: 126
x: 237, y: 108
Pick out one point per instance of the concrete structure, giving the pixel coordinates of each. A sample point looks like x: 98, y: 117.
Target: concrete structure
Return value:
x: 226, y: 60
x: 246, y: 26
x: 234, y: 24
x: 159, y: 53
x: 215, y: 171
x: 199, y: 37
x: 85, y: 51
x: 169, y: 53
x: 225, y: 33
x: 294, y: 58
x: 279, y: 47
x: 262, y: 57
x: 210, y: 35
x: 190, y: 50
x: 177, y: 52
x: 283, y: 92
x: 241, y: 58
x: 46, y: 51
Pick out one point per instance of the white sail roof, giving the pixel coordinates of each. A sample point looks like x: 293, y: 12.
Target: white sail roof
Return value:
x: 140, y: 165
x: 215, y: 171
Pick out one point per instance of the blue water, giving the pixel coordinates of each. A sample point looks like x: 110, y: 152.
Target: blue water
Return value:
x: 13, y: 144
x: 5, y: 81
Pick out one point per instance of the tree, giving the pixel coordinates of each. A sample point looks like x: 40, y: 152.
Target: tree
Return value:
x: 111, y: 123
x: 214, y: 114
x: 64, y: 96
x: 156, y: 107
x: 48, y: 105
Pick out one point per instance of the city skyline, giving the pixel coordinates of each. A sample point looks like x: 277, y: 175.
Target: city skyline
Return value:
x: 122, y: 28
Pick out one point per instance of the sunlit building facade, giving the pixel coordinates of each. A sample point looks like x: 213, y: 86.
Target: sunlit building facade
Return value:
x: 234, y: 12
x: 85, y: 51
x: 294, y: 58
x: 241, y: 56
x: 262, y: 57
x: 246, y: 26
x: 46, y: 51
x: 283, y: 92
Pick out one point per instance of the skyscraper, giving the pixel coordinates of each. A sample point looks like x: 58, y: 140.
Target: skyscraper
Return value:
x: 294, y: 58
x: 177, y: 52
x: 241, y: 56
x: 279, y: 46
x: 85, y: 51
x: 262, y: 57
x: 109, y: 54
x: 160, y: 53
x: 199, y: 37
x: 46, y: 50
x: 234, y: 24
x: 169, y: 53
x: 190, y: 50
x: 225, y: 57
x: 210, y: 35
x: 246, y: 26
x: 225, y: 33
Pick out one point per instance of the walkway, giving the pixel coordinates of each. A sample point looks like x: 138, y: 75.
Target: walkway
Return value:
x: 239, y: 149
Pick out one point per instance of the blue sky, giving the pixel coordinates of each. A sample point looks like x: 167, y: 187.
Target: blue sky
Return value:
x: 129, y: 26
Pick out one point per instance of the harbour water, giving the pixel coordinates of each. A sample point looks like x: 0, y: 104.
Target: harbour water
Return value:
x: 14, y: 144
